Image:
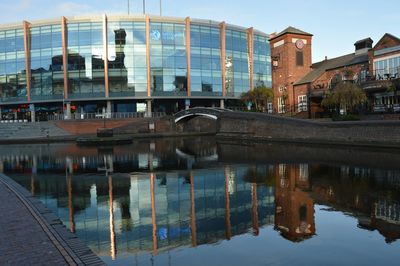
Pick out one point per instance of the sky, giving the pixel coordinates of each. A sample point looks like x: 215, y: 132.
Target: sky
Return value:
x: 336, y: 25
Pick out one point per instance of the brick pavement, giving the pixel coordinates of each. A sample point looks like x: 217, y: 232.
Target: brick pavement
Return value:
x: 23, y: 241
x: 31, y: 235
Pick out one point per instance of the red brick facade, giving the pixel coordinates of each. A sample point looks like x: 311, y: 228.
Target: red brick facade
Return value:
x: 386, y: 41
x: 286, y: 69
x: 303, y: 86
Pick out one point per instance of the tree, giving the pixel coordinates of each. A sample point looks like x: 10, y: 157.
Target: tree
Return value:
x: 346, y: 96
x: 259, y: 97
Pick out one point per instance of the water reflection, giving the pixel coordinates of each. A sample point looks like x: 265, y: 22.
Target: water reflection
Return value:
x: 156, y: 196
x: 294, y: 207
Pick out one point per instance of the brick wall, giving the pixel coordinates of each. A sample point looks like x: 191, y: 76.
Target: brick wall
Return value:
x: 120, y: 126
x: 287, y: 72
x: 197, y: 124
x: 78, y: 127
x: 269, y: 127
x: 322, y: 84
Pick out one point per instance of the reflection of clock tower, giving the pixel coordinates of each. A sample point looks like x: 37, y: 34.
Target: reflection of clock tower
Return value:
x: 294, y: 213
x: 291, y: 60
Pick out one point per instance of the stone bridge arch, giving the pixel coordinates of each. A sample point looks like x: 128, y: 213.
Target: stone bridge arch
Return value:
x: 212, y: 113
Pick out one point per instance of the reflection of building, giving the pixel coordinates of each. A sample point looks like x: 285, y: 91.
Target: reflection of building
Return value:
x: 386, y: 219
x: 157, y: 211
x: 294, y: 216
x: 125, y: 62
x: 375, y: 208
x: 166, y: 204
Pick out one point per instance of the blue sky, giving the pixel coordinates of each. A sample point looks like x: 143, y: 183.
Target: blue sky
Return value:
x: 336, y: 25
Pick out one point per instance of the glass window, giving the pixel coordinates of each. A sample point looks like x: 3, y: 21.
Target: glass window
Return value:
x: 168, y: 59
x: 86, y: 55
x: 12, y: 66
x: 205, y: 57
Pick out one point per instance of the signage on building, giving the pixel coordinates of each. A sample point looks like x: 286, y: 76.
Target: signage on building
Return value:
x: 155, y: 35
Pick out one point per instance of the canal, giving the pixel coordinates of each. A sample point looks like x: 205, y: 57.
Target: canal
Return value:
x: 198, y: 201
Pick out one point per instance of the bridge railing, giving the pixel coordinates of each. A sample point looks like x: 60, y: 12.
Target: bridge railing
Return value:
x: 211, y: 112
x: 117, y: 115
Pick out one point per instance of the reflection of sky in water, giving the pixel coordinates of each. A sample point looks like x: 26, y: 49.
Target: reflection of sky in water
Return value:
x: 180, y: 205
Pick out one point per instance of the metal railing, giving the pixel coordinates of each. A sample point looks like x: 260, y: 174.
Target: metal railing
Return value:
x: 386, y: 108
x: 383, y: 74
x: 290, y: 110
x: 119, y: 115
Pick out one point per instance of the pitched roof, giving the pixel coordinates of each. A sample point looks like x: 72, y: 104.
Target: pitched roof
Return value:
x: 292, y: 30
x: 386, y: 35
x: 320, y: 67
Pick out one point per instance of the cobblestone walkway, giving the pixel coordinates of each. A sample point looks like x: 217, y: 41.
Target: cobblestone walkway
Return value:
x: 31, y: 235
x: 22, y: 239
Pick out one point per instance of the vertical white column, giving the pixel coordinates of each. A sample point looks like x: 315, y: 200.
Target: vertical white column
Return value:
x: 222, y: 104
x: 108, y: 109
x: 33, y: 113
x: 68, y: 111
x: 148, y: 108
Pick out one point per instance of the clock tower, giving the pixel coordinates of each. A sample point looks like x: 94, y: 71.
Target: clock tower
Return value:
x: 291, y: 60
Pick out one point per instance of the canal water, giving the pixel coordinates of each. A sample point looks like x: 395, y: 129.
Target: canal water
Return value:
x: 199, y: 201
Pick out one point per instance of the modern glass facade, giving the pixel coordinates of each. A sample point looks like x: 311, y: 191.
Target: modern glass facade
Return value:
x: 85, y: 60
x: 205, y: 57
x: 182, y: 60
x: 237, y: 64
x: 12, y: 66
x: 168, y: 59
x: 262, y: 61
x: 127, y: 58
x: 47, y: 75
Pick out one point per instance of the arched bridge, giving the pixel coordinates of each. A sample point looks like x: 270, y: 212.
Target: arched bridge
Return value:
x: 210, y: 112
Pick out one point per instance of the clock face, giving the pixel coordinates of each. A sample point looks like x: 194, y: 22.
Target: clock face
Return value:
x: 299, y: 44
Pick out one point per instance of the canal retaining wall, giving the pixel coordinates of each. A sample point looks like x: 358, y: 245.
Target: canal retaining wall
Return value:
x: 69, y: 130
x: 264, y: 127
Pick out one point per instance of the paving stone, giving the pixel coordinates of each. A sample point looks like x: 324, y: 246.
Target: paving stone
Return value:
x: 23, y: 238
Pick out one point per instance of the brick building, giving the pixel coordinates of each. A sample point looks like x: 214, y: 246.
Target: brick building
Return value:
x: 327, y: 73
x: 291, y: 60
x: 382, y: 83
x: 299, y: 86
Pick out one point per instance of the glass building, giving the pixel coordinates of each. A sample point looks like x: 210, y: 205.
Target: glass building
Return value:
x: 127, y: 64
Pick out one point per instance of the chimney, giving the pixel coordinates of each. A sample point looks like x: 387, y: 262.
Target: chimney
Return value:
x: 362, y: 46
x: 326, y: 58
